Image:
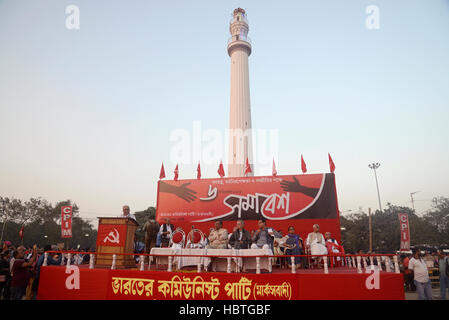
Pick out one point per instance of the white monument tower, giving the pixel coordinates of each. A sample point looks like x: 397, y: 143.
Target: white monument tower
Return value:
x: 240, y: 138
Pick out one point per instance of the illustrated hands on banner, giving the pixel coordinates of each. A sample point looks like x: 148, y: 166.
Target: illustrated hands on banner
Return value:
x: 295, y: 186
x: 182, y: 191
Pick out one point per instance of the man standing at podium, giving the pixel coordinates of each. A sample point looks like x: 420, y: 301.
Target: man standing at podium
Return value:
x: 127, y: 214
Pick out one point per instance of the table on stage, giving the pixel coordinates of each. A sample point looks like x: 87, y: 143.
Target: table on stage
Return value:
x: 216, y: 263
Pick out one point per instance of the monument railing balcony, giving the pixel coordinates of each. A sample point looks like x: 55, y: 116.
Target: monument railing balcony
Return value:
x: 240, y: 38
x: 241, y: 20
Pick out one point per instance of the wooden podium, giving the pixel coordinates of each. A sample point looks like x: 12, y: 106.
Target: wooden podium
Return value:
x: 116, y: 235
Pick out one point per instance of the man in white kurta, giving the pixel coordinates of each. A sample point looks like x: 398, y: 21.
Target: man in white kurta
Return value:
x: 332, y: 244
x: 315, y: 242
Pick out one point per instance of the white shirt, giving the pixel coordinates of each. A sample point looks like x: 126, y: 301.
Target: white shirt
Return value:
x: 169, y: 230
x: 131, y: 215
x: 419, y: 267
x: 315, y: 237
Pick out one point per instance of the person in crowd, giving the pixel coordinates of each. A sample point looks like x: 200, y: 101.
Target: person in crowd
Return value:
x: 418, y: 266
x: 5, y: 275
x: 316, y: 244
x: 151, y: 228
x: 263, y: 237
x: 240, y: 238
x: 408, y: 277
x: 21, y: 273
x: 293, y: 246
x: 165, y: 231
x: 127, y: 213
x: 429, y: 260
x: 218, y: 237
x: 11, y: 261
x: 86, y: 257
x: 443, y: 264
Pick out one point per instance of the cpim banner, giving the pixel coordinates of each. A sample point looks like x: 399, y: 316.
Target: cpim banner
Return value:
x: 66, y: 221
x: 405, y: 232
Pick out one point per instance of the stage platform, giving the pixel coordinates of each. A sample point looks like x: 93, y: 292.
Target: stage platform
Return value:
x: 342, y: 283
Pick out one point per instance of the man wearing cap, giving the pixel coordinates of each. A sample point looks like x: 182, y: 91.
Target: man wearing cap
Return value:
x: 127, y: 213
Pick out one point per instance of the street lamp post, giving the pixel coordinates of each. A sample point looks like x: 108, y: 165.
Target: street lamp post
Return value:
x: 375, y: 166
x: 413, y: 200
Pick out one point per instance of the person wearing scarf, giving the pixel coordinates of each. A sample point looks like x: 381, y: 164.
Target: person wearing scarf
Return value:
x: 294, y: 246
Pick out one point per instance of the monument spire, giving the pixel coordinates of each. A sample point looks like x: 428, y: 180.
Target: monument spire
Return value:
x: 240, y: 137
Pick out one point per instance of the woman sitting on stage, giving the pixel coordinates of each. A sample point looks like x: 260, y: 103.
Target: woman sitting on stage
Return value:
x: 294, y: 247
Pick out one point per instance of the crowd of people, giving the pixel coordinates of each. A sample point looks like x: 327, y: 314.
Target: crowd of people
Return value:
x: 20, y: 268
x: 416, y: 268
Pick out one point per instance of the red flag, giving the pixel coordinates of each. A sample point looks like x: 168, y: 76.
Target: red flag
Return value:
x: 220, y: 171
x: 176, y: 173
x: 247, y: 167
x: 303, y: 165
x: 162, y: 174
x: 21, y: 233
x: 198, y: 171
x: 331, y: 164
x: 274, y: 172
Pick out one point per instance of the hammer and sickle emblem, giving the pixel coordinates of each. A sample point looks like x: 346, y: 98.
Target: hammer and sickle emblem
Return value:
x: 113, y: 237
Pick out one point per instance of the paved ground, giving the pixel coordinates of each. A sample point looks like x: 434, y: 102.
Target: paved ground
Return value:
x: 435, y: 294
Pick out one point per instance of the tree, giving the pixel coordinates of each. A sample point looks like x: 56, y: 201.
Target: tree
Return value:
x: 42, y: 223
x: 428, y: 230
x: 142, y: 217
x: 10, y: 211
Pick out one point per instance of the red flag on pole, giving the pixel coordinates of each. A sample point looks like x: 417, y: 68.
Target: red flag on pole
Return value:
x: 247, y: 167
x: 303, y: 165
x: 331, y: 164
x: 198, y: 171
x: 220, y: 171
x: 176, y: 173
x: 21, y: 233
x: 274, y: 172
x: 162, y: 174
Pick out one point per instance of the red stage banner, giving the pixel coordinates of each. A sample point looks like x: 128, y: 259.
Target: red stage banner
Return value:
x: 405, y: 232
x: 111, y: 235
x: 102, y: 284
x: 283, y: 200
x: 248, y: 198
x: 66, y: 222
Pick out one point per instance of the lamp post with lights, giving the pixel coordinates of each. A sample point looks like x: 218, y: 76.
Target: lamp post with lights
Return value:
x: 375, y: 166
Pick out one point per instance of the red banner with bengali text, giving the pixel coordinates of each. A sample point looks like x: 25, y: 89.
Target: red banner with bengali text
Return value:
x: 82, y: 283
x: 298, y: 200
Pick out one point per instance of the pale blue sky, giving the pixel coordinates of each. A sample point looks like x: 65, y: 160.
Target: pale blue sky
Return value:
x: 87, y: 114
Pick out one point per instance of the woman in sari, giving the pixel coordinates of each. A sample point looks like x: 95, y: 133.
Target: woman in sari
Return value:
x: 294, y: 247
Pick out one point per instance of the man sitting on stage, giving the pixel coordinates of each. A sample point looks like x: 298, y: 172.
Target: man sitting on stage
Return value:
x: 315, y: 242
x: 218, y: 237
x: 263, y: 237
x: 240, y: 238
x: 165, y: 232
x: 332, y: 244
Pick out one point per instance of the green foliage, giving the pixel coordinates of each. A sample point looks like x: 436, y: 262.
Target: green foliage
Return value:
x: 431, y: 229
x: 142, y: 217
x: 42, y: 223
